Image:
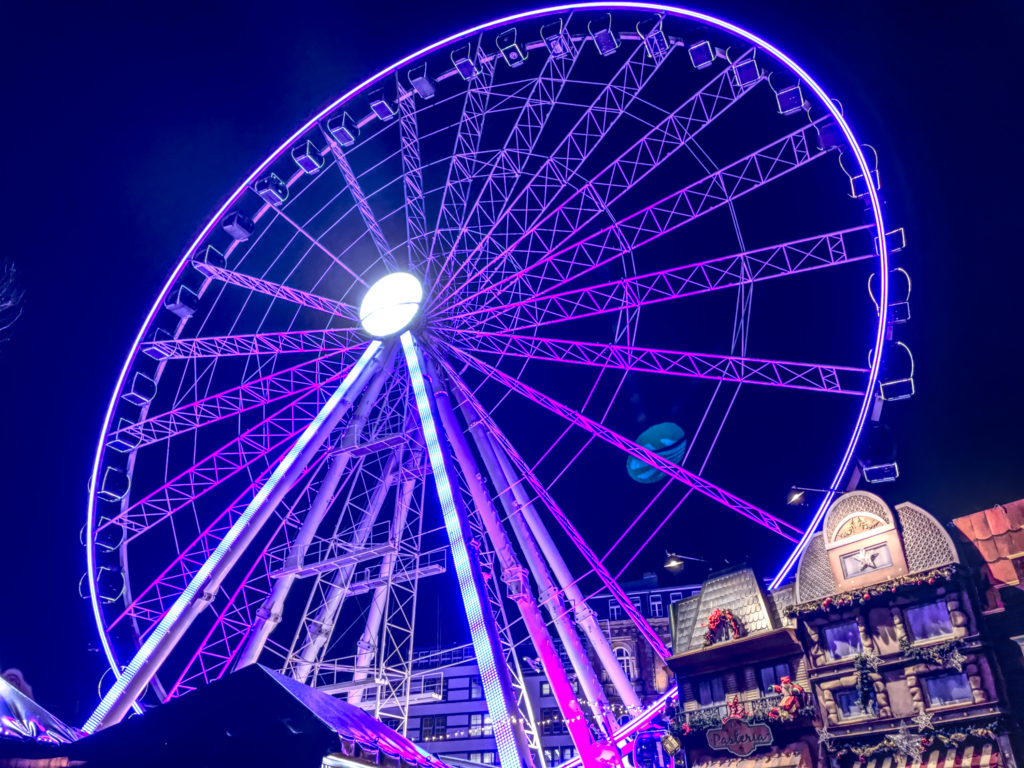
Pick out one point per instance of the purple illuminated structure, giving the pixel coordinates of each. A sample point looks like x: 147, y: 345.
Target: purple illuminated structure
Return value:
x: 573, y: 232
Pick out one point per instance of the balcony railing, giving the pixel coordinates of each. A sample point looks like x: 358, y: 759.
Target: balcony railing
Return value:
x: 756, y: 710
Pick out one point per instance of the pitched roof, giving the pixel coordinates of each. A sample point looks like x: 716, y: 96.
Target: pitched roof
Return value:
x: 998, y: 536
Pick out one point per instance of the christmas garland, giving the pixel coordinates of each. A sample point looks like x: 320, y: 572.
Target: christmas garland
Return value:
x: 944, y: 654
x: 864, y: 664
x: 931, y: 738
x: 719, y: 618
x: 885, y: 589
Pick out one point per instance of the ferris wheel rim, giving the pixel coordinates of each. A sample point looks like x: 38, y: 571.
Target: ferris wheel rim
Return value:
x: 762, y: 44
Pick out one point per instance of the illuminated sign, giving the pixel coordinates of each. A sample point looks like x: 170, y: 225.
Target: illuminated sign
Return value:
x: 739, y: 736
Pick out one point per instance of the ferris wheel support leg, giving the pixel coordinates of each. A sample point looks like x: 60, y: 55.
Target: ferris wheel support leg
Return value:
x: 269, y: 613
x: 203, y: 586
x: 366, y: 647
x: 584, y: 615
x: 518, y: 582
x: 513, y: 749
x: 550, y: 595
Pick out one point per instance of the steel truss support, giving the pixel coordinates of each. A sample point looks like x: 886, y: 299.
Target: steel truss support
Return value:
x: 637, y: 291
x: 513, y: 747
x: 206, y: 582
x: 558, y: 168
x: 277, y: 290
x: 417, y: 241
x: 342, y: 339
x: 486, y: 432
x: 542, y: 236
x: 776, y: 373
x: 699, y: 484
x: 550, y: 596
x: 269, y: 614
x: 517, y: 580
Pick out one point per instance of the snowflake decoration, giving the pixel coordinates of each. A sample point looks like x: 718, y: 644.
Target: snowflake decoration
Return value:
x: 872, y: 661
x: 923, y: 721
x: 956, y: 660
x: 906, y: 744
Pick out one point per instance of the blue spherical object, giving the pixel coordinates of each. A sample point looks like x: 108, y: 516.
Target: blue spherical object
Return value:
x: 668, y: 440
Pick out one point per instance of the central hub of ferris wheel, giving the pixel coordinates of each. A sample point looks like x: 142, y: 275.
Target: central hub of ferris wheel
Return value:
x: 391, y: 304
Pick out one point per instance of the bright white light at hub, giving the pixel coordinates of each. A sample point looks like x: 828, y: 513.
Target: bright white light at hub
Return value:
x: 390, y: 304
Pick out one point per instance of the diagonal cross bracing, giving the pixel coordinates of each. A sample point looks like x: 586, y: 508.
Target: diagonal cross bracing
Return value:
x: 278, y: 291
x: 678, y: 128
x: 777, y: 373
x: 519, y: 145
x: 699, y: 484
x: 417, y: 240
x: 294, y: 381
x: 464, y: 159
x: 578, y: 143
x: 667, y: 214
x: 665, y: 285
x: 341, y: 339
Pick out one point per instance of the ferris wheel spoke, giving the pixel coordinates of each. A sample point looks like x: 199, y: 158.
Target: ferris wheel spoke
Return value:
x: 553, y: 175
x: 417, y: 240
x: 519, y: 146
x: 335, y: 339
x: 699, y: 484
x: 776, y: 373
x: 256, y: 443
x: 464, y: 165
x: 290, y: 382
x: 805, y: 255
x: 559, y: 224
x: 277, y: 290
x: 362, y: 204
x: 646, y: 225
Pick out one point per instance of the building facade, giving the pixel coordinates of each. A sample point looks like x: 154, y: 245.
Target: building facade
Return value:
x: 896, y: 657
x: 451, y: 719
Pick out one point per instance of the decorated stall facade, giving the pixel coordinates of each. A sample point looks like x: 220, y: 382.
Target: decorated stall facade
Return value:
x: 742, y: 675
x: 896, y: 660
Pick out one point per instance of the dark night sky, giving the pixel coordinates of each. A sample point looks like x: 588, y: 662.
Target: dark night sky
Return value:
x: 127, y: 127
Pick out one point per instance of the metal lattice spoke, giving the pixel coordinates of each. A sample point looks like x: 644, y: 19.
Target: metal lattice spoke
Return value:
x: 608, y: 185
x: 777, y: 373
x: 278, y: 291
x: 840, y: 247
x: 246, y: 344
x: 699, y: 484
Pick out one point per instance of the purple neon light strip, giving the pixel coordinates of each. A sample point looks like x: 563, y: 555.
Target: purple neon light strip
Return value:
x: 501, y: 718
x: 642, y: 6
x: 195, y: 586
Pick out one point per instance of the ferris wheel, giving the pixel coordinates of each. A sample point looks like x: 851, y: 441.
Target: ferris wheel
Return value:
x: 412, y: 352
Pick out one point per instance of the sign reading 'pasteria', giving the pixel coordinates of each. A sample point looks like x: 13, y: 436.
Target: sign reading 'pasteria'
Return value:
x: 739, y: 736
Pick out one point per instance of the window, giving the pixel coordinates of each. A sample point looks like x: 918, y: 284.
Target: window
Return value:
x: 551, y: 723
x: 865, y: 560
x: 656, y: 608
x: 614, y: 610
x: 951, y: 688
x: 480, y: 724
x: 849, y: 704
x: 675, y: 597
x: 930, y: 620
x: 772, y: 675
x: 551, y: 755
x: 433, y: 726
x: 636, y: 604
x: 842, y: 640
x: 545, y: 688
x: 626, y: 661
x: 476, y: 690
x: 488, y: 758
x: 710, y: 691
x: 568, y: 753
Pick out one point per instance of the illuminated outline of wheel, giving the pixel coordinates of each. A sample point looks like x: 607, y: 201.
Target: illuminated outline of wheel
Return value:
x: 493, y: 268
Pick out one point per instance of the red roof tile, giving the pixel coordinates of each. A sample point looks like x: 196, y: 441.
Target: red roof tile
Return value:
x: 998, y: 535
x: 997, y: 520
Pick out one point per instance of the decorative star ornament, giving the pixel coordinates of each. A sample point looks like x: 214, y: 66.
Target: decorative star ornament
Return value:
x: 872, y: 660
x: 923, y: 721
x: 907, y: 744
x: 866, y: 559
x: 956, y: 660
x: 824, y: 736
